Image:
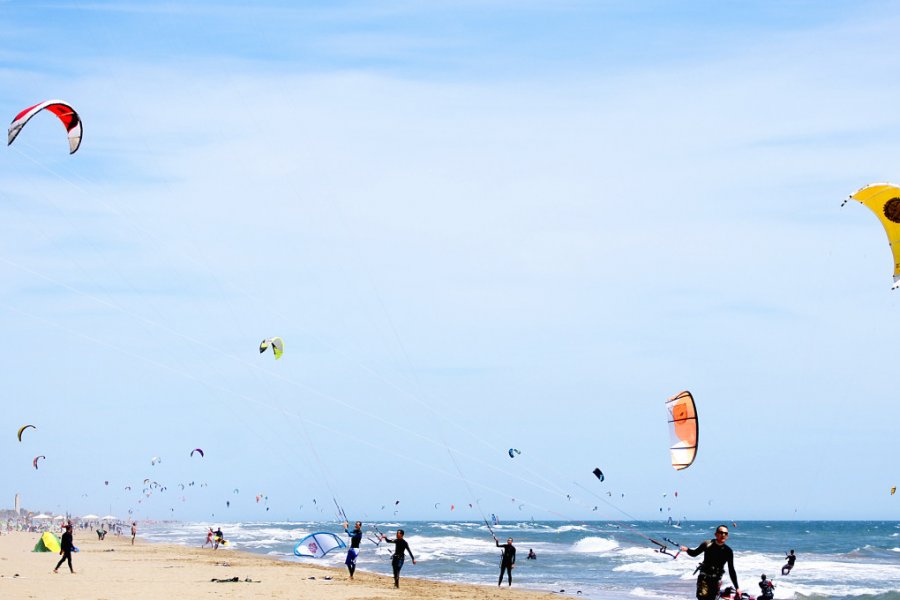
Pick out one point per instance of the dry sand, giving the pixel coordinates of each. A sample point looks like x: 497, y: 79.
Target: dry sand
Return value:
x: 115, y: 570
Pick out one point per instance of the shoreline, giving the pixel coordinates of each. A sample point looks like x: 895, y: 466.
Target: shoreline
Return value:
x: 114, y: 569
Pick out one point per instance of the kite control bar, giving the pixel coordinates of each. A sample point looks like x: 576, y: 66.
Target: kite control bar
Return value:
x: 664, y: 549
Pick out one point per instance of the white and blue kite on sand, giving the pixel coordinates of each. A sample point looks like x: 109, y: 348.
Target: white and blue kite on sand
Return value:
x: 317, y: 545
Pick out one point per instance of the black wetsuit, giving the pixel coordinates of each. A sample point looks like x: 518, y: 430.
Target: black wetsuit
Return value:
x: 353, y: 552
x: 399, y: 556
x: 507, y: 560
x: 791, y: 558
x: 65, y: 547
x: 715, y: 557
x: 766, y: 590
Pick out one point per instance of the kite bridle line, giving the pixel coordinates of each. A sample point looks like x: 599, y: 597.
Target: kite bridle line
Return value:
x: 662, y: 548
x: 214, y: 387
x: 192, y: 256
x: 256, y: 369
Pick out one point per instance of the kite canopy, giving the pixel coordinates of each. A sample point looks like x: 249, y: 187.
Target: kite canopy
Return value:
x: 48, y: 542
x: 883, y: 199
x: 599, y: 474
x: 683, y: 429
x: 317, y: 545
x: 35, y: 461
x: 65, y: 113
x: 514, y: 452
x: 23, y: 428
x: 893, y: 490
x: 277, y: 346
x: 155, y: 460
x: 198, y: 450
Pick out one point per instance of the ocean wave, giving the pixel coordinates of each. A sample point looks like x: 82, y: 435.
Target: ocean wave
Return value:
x: 644, y: 593
x: 595, y: 545
x: 565, y: 528
x: 667, y: 568
x: 825, y: 592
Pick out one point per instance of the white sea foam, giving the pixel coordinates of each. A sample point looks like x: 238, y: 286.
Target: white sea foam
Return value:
x: 565, y: 528
x: 644, y: 593
x: 595, y: 545
x: 658, y: 568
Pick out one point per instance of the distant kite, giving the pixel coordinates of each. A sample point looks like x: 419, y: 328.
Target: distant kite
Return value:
x: 599, y: 474
x: 35, y: 461
x: 277, y: 346
x: 513, y: 452
x: 23, y: 428
x: 65, y: 113
x: 198, y: 450
x: 683, y: 429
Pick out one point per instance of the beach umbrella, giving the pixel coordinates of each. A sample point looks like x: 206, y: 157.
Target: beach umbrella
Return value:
x: 90, y: 517
x: 41, y: 516
x: 59, y: 518
x: 109, y: 518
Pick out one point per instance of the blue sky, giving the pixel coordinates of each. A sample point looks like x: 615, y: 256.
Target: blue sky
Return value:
x: 476, y: 225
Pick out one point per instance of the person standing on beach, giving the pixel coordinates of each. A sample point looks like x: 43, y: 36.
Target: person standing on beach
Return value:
x: 65, y: 548
x: 716, y: 554
x: 401, y: 547
x: 353, y: 551
x: 209, y: 538
x: 133, y: 531
x: 219, y: 538
x: 507, y: 560
x: 791, y: 558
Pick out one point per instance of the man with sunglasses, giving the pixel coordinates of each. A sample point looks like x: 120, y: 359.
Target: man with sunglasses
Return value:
x: 716, y: 554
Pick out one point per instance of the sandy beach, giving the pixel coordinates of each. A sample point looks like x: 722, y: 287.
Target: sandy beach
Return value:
x: 113, y: 569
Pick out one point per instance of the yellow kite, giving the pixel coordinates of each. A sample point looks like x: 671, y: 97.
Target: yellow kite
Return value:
x: 883, y: 199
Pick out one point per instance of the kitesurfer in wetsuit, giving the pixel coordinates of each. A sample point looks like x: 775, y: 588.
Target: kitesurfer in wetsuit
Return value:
x: 791, y: 558
x: 531, y: 554
x: 353, y: 551
x: 766, y: 588
x: 507, y: 560
x: 716, y: 554
x: 66, y: 546
x: 401, y: 547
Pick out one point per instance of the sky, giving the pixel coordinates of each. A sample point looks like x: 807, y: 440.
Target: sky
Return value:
x: 477, y: 226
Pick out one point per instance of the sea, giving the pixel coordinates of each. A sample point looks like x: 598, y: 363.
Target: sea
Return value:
x: 602, y: 560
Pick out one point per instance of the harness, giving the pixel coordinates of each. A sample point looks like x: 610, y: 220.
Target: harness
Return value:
x: 710, y: 572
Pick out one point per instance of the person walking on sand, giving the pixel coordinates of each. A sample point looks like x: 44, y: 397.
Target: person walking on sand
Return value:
x: 507, y: 560
x: 353, y: 551
x: 219, y: 538
x: 209, y: 538
x: 791, y: 558
x: 65, y: 548
x: 133, y: 531
x: 716, y: 554
x: 401, y: 547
